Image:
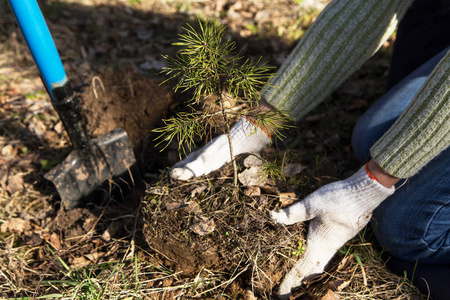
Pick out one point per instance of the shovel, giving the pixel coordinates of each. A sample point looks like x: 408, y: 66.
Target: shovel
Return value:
x: 96, y: 169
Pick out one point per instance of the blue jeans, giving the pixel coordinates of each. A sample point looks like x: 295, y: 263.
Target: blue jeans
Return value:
x: 414, y: 223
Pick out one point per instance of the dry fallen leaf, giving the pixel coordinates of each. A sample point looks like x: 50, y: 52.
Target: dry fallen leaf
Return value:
x: 287, y: 199
x: 202, y: 225
x: 345, y: 261
x: 198, y: 190
x: 249, y: 295
x: 270, y: 188
x: 15, y: 183
x: 111, y: 232
x: 95, y: 256
x: 175, y: 205
x: 8, y: 151
x: 37, y: 127
x: 339, y: 284
x: 253, y: 191
x: 80, y: 262
x: 55, y: 241
x: 292, y: 169
x: 16, y: 225
x: 32, y: 238
x: 156, y: 190
x: 194, y: 207
x: 252, y: 176
x: 330, y: 296
x: 253, y: 161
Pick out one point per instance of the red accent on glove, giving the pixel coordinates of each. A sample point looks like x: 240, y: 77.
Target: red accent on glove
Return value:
x: 370, y: 174
x: 262, y: 129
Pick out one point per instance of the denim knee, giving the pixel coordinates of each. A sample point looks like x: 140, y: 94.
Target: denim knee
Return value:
x: 414, y: 223
x: 426, y: 245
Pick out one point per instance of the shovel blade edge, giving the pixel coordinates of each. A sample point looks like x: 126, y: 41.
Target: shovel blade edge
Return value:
x: 106, y: 170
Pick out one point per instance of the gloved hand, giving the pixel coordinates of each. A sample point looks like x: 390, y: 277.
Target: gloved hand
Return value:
x: 338, y: 211
x: 245, y: 138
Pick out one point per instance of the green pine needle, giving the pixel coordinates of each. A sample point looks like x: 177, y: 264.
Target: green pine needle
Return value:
x: 208, y: 66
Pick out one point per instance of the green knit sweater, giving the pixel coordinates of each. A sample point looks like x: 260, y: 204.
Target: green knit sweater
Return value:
x: 344, y: 36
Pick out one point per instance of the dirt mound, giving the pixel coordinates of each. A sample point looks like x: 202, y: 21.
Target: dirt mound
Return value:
x: 125, y: 99
x: 200, y: 226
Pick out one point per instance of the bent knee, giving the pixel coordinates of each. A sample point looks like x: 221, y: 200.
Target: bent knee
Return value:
x: 428, y: 244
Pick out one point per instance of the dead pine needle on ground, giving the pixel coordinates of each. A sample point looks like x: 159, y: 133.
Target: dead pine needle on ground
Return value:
x: 175, y: 240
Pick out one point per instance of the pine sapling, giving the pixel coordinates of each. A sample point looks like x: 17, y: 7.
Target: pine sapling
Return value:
x: 209, y: 67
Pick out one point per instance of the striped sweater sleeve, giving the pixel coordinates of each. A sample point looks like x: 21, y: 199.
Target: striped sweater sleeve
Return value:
x: 343, y: 37
x: 423, y: 129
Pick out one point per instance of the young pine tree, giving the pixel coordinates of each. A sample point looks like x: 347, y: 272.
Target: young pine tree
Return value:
x: 209, y: 67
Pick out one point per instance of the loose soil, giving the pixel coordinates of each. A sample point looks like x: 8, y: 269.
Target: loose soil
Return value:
x: 113, y: 94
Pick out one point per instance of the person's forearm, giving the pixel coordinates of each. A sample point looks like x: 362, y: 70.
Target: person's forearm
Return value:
x: 423, y: 129
x: 380, y: 175
x: 342, y: 38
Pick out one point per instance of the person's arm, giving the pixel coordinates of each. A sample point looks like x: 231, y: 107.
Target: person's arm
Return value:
x: 337, y: 212
x: 423, y: 129
x: 378, y: 174
x: 343, y: 37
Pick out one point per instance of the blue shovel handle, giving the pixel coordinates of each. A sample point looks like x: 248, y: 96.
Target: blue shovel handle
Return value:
x: 40, y: 42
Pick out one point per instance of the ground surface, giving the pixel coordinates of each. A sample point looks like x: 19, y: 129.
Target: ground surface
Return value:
x: 201, y: 238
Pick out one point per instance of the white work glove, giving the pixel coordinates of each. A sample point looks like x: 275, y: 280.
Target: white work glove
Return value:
x: 338, y: 211
x: 245, y: 138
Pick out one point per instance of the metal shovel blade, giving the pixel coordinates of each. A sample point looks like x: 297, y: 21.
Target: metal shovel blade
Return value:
x: 109, y: 171
x: 96, y: 169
